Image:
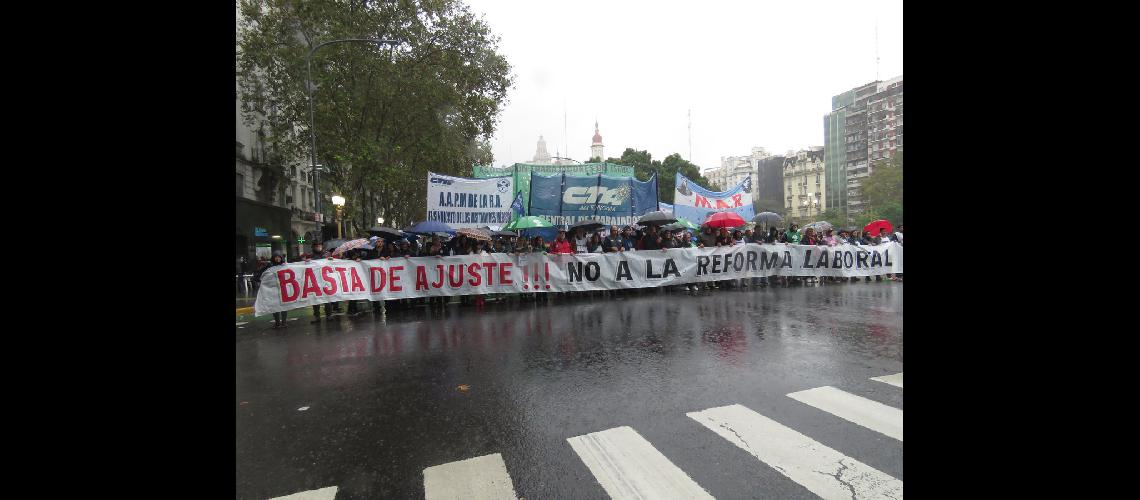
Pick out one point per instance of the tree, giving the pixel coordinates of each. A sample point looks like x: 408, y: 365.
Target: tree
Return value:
x: 883, y: 192
x: 383, y: 116
x: 834, y: 216
x: 644, y: 167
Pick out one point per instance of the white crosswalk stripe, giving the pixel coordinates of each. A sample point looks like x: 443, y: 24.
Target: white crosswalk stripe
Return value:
x: 321, y: 494
x: 895, y: 380
x: 865, y: 412
x: 482, y: 477
x: 629, y: 467
x: 822, y: 470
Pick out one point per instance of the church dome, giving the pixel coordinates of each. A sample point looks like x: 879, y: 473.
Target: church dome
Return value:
x: 597, y: 136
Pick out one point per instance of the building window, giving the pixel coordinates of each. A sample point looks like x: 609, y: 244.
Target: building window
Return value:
x: 240, y: 184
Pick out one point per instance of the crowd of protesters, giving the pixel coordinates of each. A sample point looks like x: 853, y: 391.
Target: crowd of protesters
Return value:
x: 615, y: 239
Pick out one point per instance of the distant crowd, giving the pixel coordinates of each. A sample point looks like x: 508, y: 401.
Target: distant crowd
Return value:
x: 613, y: 239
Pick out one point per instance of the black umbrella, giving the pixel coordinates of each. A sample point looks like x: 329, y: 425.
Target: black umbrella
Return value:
x: 657, y: 218
x: 386, y: 233
x: 588, y: 225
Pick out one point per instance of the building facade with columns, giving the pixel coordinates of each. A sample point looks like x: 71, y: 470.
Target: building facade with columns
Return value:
x: 805, y: 185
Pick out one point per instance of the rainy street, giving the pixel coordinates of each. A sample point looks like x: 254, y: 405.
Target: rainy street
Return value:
x: 731, y: 393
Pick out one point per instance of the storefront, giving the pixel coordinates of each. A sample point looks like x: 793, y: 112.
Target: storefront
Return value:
x: 262, y: 230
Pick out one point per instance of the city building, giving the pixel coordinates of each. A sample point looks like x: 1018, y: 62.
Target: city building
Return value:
x: 767, y: 171
x: 734, y: 169
x: 542, y: 157
x: 275, y: 202
x: 805, y: 185
x: 864, y: 127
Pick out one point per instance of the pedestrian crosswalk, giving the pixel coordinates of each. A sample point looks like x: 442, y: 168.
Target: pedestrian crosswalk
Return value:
x: 321, y: 494
x: 479, y: 477
x: 628, y: 466
x: 870, y: 414
x: 895, y: 380
x: 822, y: 470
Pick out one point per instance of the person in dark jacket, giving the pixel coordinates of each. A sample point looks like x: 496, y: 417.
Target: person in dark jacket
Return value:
x: 278, y: 317
x: 650, y: 240
x: 319, y: 252
x: 613, y: 242
x: 773, y: 235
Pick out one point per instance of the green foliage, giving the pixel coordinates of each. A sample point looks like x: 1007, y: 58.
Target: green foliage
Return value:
x: 383, y: 116
x: 834, y: 216
x: 883, y: 192
x: 644, y: 166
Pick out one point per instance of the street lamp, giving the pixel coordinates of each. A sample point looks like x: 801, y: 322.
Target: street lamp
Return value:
x: 339, y: 202
x: 312, y: 130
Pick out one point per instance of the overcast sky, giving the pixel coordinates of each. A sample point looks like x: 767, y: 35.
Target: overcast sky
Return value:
x: 754, y: 73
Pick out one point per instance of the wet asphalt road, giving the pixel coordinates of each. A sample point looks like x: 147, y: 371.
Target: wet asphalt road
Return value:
x: 383, y: 402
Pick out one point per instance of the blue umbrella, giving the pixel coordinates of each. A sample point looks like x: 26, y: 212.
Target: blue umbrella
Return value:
x: 430, y: 226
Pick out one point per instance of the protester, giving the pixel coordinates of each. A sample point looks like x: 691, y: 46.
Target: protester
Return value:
x: 897, y: 237
x: 707, y: 237
x: 723, y: 239
x: 773, y: 235
x: 650, y: 240
x: 560, y: 245
x: 809, y: 237
x: 627, y: 238
x: 829, y: 238
x: 594, y: 245
x: 844, y: 237
x: 318, y: 252
x: 580, y: 241
x: 276, y: 261
x: 613, y: 241
x: 793, y: 235
x: 537, y: 245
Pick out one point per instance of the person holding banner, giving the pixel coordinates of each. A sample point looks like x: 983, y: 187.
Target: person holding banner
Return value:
x: 613, y: 242
x: 627, y: 238
x: 537, y: 245
x: 793, y: 236
x: 560, y: 245
x: 594, y: 245
x: 278, y: 317
x: 319, y: 253
x: 581, y: 241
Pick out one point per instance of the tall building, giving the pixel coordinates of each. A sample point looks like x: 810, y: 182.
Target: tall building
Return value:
x: 805, y: 184
x: 596, y: 145
x: 769, y: 185
x: 275, y: 199
x: 865, y: 126
x: 540, y: 154
x: 734, y: 169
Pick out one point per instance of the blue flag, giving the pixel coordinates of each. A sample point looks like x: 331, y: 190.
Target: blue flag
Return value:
x: 516, y: 206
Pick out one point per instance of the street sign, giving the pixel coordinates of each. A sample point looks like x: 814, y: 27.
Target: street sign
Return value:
x: 260, y: 231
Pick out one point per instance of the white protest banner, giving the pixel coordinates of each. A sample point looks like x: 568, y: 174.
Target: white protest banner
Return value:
x: 296, y: 285
x: 460, y: 202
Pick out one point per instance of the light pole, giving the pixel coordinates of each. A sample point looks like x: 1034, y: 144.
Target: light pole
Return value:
x: 339, y: 202
x: 313, y: 131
